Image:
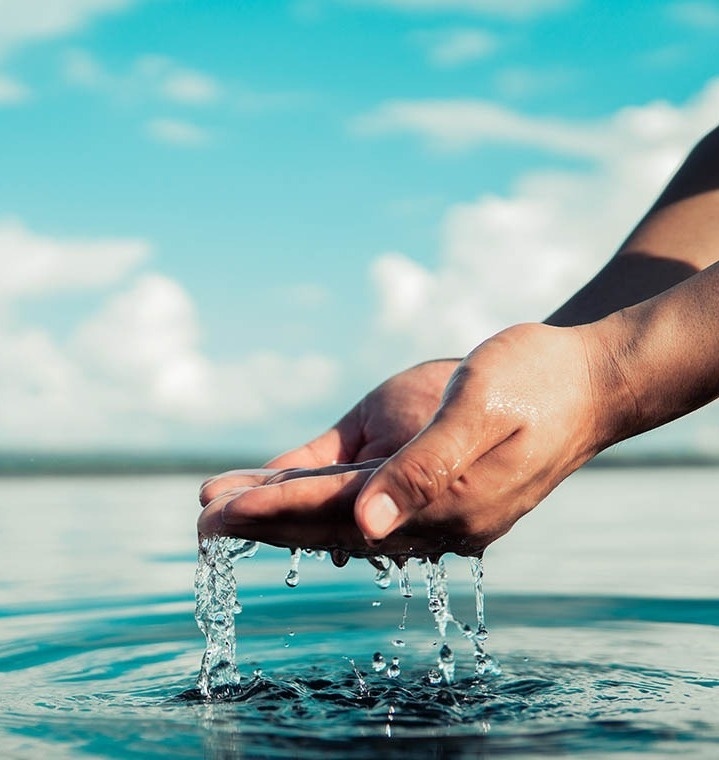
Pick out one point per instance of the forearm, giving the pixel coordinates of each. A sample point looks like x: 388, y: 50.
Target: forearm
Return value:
x: 658, y: 360
x: 678, y: 237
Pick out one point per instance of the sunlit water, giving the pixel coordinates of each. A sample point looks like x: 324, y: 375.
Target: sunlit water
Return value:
x: 602, y: 609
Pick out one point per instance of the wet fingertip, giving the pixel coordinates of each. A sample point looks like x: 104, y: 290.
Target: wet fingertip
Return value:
x: 378, y: 515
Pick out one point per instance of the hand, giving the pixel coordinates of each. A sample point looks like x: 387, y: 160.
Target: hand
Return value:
x: 518, y: 415
x: 380, y: 424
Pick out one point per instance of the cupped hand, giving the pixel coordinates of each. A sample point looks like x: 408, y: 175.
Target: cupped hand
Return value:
x: 380, y: 424
x: 519, y: 414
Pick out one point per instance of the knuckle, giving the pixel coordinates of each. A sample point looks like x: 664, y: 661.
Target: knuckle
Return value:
x: 422, y: 477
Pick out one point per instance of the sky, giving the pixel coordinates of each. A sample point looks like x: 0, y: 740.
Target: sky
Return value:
x: 223, y: 221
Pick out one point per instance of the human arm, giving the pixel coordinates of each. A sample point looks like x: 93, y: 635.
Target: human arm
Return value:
x: 524, y: 410
x: 673, y: 241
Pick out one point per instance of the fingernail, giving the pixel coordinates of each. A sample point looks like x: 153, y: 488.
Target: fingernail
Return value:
x: 381, y: 514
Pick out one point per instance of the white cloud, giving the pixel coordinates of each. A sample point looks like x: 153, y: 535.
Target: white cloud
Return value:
x: 462, y: 124
x: 699, y: 15
x: 153, y: 77
x: 34, y: 264
x: 146, y: 342
x: 178, y: 132
x: 27, y: 21
x: 454, y: 47
x: 509, y: 259
x: 12, y: 91
x: 456, y: 125
x: 513, y: 9
x: 133, y: 372
x: 190, y: 87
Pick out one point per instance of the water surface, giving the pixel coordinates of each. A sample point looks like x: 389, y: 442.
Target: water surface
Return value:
x: 602, y: 608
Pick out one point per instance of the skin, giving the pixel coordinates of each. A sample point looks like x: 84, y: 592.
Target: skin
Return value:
x: 467, y: 448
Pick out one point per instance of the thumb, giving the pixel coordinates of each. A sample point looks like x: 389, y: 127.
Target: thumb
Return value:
x: 422, y: 470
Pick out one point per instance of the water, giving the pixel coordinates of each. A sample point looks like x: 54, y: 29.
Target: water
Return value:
x: 602, y: 608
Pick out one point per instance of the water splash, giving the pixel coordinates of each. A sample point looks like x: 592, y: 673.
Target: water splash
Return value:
x: 383, y: 565
x: 438, y: 594
x: 446, y: 662
x: 217, y: 604
x: 483, y: 662
x: 215, y: 608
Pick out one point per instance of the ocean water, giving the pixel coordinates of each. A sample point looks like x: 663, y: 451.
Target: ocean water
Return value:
x: 602, y: 608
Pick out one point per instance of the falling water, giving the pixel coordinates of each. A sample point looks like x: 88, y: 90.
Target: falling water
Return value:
x: 215, y: 608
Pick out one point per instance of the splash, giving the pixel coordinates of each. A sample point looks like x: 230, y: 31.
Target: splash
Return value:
x: 215, y: 608
x: 217, y: 605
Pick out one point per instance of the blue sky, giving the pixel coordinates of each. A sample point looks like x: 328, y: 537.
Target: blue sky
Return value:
x: 222, y: 222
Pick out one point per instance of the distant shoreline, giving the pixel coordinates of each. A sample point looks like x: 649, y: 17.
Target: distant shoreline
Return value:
x: 14, y: 464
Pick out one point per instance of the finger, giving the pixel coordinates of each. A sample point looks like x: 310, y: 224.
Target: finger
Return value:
x: 312, y: 512
x: 333, y: 469
x: 463, y: 429
x: 226, y: 481
x: 339, y: 444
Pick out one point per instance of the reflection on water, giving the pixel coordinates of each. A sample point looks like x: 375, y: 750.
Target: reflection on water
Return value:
x: 612, y: 655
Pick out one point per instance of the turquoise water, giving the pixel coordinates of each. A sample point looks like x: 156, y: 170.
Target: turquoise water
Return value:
x: 602, y: 607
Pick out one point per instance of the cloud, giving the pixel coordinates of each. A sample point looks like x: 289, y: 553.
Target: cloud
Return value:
x: 26, y: 21
x: 177, y: 132
x: 450, y: 48
x: 514, y: 9
x: 33, y: 264
x: 507, y: 259
x: 145, y: 342
x: 190, y: 87
x: 463, y: 124
x: 698, y: 15
x: 12, y: 91
x: 149, y: 77
x: 132, y: 372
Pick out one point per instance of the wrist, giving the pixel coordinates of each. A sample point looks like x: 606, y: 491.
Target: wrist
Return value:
x: 610, y: 347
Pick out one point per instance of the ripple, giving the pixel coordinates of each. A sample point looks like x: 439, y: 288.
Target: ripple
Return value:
x: 606, y: 676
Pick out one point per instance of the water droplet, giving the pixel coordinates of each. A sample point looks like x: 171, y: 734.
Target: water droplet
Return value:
x: 292, y: 578
x: 434, y: 676
x: 446, y: 654
x: 376, y: 604
x: 398, y: 643
x: 403, y: 623
x: 393, y: 670
x: 320, y: 555
x: 405, y: 586
x: 446, y: 663
x: 339, y: 557
x: 378, y: 662
x: 293, y: 574
x: 383, y: 578
x: 242, y: 549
